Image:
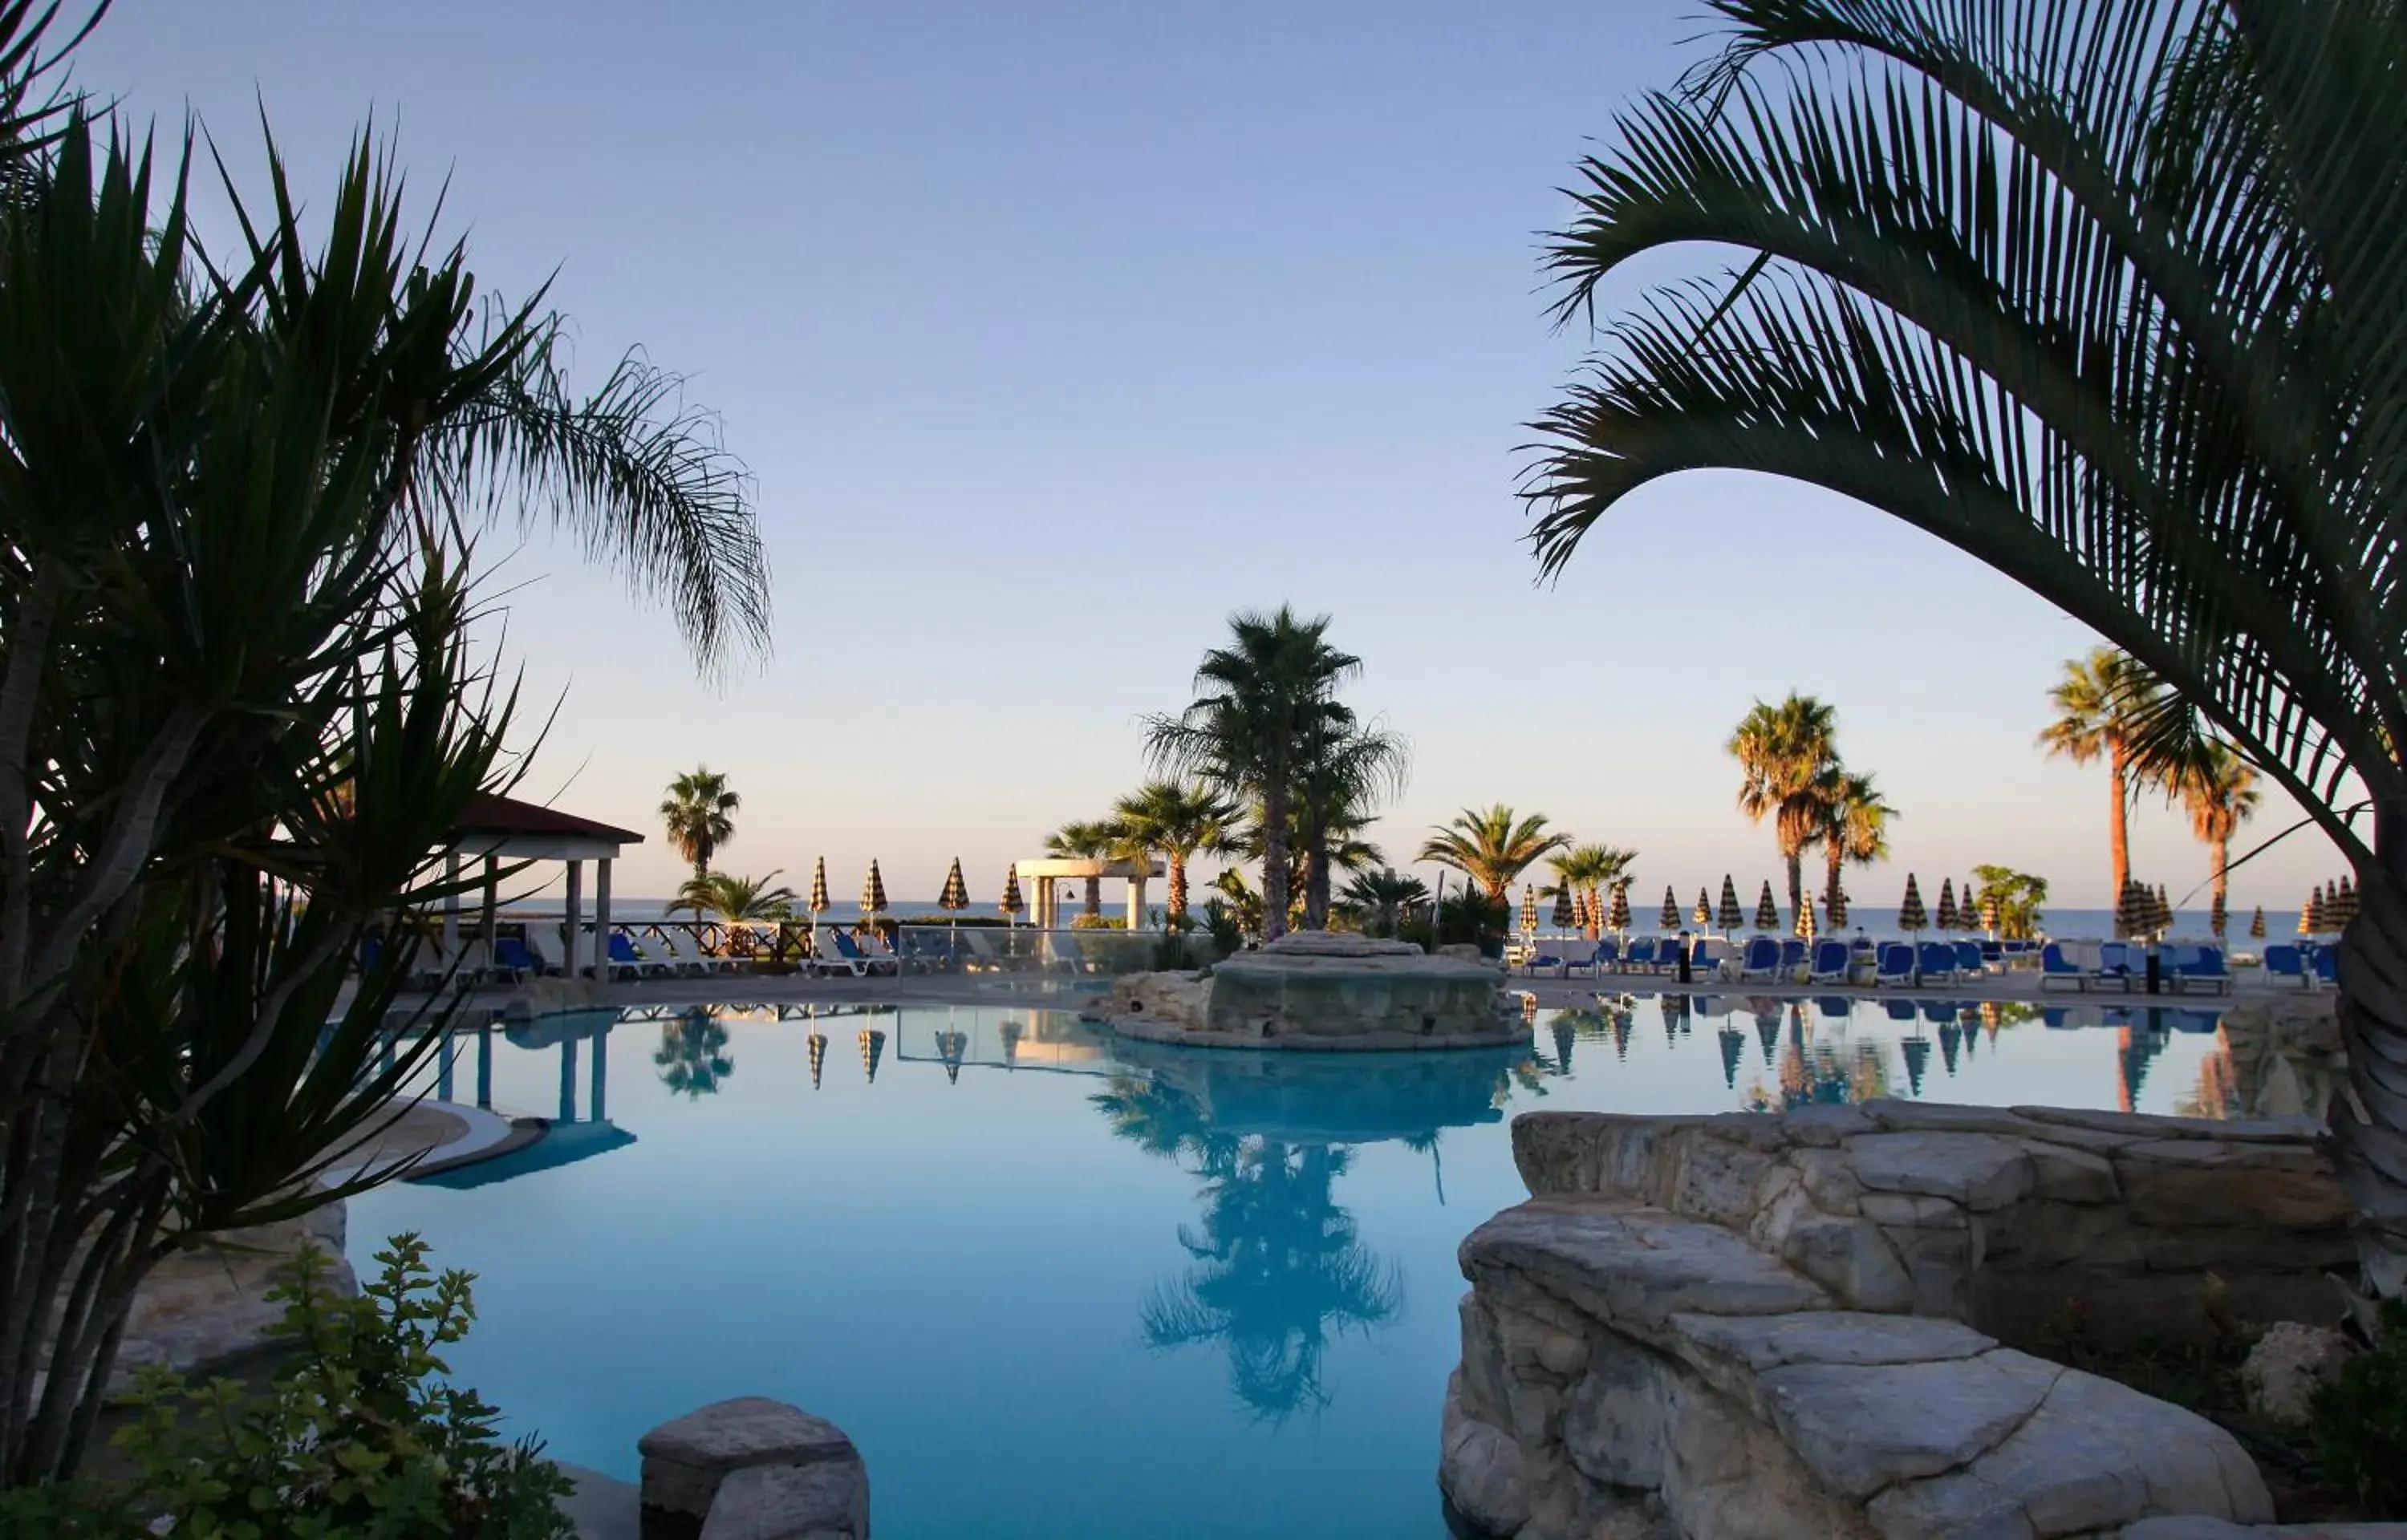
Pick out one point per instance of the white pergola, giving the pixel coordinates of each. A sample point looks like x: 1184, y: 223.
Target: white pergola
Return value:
x: 503, y: 829
x: 1039, y: 875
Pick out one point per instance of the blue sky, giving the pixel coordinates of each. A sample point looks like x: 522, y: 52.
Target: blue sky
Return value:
x: 1052, y: 333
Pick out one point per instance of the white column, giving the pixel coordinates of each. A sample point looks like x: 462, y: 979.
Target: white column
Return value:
x: 576, y: 913
x: 1136, y: 902
x: 602, y: 921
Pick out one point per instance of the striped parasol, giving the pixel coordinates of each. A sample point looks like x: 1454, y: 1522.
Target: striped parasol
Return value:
x: 2344, y: 908
x: 2217, y: 918
x: 955, y: 896
x: 817, y: 1042
x: 2131, y: 907
x: 1991, y: 909
x: 873, y: 891
x: 1012, y: 903
x: 1947, y: 919
x: 2311, y: 916
x: 1617, y: 917
x: 1528, y: 909
x: 1670, y: 918
x: 1731, y: 916
x: 1910, y: 916
x: 2163, y: 912
x: 1805, y: 920
x: 1566, y: 915
x: 1767, y: 914
x: 2257, y: 924
x: 872, y: 1044
x: 1834, y: 906
x: 819, y: 904
x: 1703, y: 912
x: 950, y: 1047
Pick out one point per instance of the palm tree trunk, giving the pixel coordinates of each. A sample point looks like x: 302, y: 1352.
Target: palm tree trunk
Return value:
x: 1274, y: 860
x: 1315, y: 877
x: 1178, y: 861
x: 1094, y: 898
x: 1834, y: 856
x: 2370, y: 1130
x: 2220, y: 862
x: 1795, y: 857
x: 2118, y: 832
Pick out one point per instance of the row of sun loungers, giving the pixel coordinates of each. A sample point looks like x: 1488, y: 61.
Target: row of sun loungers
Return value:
x: 2120, y: 965
x: 1906, y: 964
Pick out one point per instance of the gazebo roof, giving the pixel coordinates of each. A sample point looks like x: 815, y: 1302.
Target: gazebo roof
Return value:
x: 506, y: 828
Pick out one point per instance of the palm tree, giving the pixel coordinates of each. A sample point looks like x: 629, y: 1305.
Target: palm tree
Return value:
x: 1491, y: 848
x: 1258, y: 701
x: 2103, y: 295
x: 1587, y: 872
x: 735, y: 899
x: 1095, y: 841
x: 2103, y: 705
x: 692, y: 1057
x: 1381, y: 897
x: 1343, y: 770
x: 2220, y: 793
x: 1178, y: 819
x: 1855, y: 823
x: 1787, y: 760
x: 700, y: 812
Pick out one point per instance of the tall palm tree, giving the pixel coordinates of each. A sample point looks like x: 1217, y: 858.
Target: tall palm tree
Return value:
x: 1787, y: 755
x: 1346, y: 768
x: 1176, y: 819
x: 2105, y: 296
x: 1493, y: 848
x: 1587, y: 871
x: 1096, y: 840
x: 2104, y: 705
x: 1855, y: 823
x: 700, y: 814
x: 2220, y: 793
x: 1258, y: 701
x: 734, y: 898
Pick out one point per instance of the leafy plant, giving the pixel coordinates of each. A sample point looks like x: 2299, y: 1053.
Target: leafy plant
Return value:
x: 2361, y: 1418
x: 1469, y: 916
x: 2019, y: 895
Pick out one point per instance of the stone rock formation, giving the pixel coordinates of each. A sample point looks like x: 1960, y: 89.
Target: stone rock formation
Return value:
x: 2287, y: 1365
x: 752, y: 1469
x: 1323, y: 990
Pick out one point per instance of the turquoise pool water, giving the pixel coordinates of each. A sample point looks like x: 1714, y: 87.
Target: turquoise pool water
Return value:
x: 1055, y: 1284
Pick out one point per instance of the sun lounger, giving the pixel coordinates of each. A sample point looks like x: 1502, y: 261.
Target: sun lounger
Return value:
x: 1793, y: 956
x: 512, y: 957
x: 2200, y: 968
x: 1642, y: 956
x: 2284, y: 961
x: 1760, y: 961
x: 626, y: 962
x: 1605, y: 958
x: 831, y: 952
x: 1530, y: 964
x: 1970, y: 961
x: 1936, y: 960
x: 1832, y: 959
x: 1896, y: 965
x: 1704, y: 958
x: 2326, y: 966
x: 2055, y: 967
x: 1901, y: 1011
x: 2113, y: 967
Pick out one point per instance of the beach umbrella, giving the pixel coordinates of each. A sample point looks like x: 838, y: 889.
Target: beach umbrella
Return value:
x: 1805, y: 919
x: 950, y: 1047
x: 2217, y: 918
x: 1733, y: 1043
x: 1528, y: 909
x: 1951, y: 1040
x: 1012, y: 903
x: 1991, y: 909
x: 1011, y: 1032
x: 1766, y: 912
x: 2344, y: 910
x: 1617, y: 917
x: 1834, y: 906
x: 2131, y: 909
x: 1947, y: 917
x: 819, y: 904
x: 1705, y: 910
x: 873, y: 892
x: 1566, y: 913
x: 1731, y: 916
x: 2257, y: 924
x: 955, y: 896
x: 817, y: 1043
x: 1670, y: 918
x: 2164, y: 912
x: 2311, y: 916
x: 1918, y: 1060
x: 1767, y: 1034
x: 1910, y: 916
x: 872, y: 1044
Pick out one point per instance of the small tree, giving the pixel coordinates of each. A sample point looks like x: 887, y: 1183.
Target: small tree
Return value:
x: 699, y: 813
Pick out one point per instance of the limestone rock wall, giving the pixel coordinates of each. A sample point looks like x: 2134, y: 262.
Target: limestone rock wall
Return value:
x: 2000, y: 1218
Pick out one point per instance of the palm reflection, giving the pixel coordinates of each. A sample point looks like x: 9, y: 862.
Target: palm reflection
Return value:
x: 692, y: 1057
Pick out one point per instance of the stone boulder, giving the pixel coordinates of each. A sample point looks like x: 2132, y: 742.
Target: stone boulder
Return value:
x: 1178, y: 1000
x: 752, y: 1469
x: 206, y: 1307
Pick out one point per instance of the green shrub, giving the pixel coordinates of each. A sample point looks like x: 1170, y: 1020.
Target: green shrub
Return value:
x: 359, y: 1438
x: 2360, y: 1419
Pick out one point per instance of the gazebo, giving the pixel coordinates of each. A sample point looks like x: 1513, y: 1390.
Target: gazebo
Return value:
x: 505, y: 829
x: 1040, y: 873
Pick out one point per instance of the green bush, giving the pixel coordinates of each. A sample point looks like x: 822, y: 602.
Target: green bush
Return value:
x: 358, y: 1438
x: 2360, y: 1419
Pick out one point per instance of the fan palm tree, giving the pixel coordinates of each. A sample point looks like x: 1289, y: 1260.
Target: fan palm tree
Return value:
x: 1855, y: 823
x: 1343, y: 770
x: 1493, y: 848
x: 700, y: 814
x: 1176, y: 819
x: 2104, y: 296
x: 1094, y: 840
x: 735, y: 899
x: 2220, y: 793
x: 1587, y: 872
x: 1786, y: 764
x: 1259, y: 701
x: 2104, y: 705
x: 692, y: 1057
x: 1381, y: 897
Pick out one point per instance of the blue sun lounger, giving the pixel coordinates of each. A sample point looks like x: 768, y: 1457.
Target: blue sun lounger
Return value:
x: 1937, y: 960
x: 1832, y: 959
x: 1896, y: 965
x: 1761, y: 959
x: 2055, y: 967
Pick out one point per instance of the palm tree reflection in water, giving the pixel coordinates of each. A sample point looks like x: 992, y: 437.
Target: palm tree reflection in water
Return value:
x: 693, y: 1056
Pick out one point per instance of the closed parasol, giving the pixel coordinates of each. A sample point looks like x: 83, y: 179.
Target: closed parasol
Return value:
x: 1566, y: 913
x: 1947, y: 919
x: 873, y: 892
x: 1705, y: 910
x: 1806, y: 926
x: 1911, y: 917
x: 2132, y: 910
x: 1529, y: 909
x: 1670, y: 918
x: 1012, y: 903
x: 1731, y: 916
x: 1834, y: 906
x: 2343, y: 907
x: 2257, y: 924
x: 873, y: 1046
x: 955, y: 896
x: 1616, y: 918
x: 2311, y: 914
x: 819, y: 904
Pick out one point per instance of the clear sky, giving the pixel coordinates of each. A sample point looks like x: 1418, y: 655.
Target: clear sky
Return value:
x: 1052, y: 333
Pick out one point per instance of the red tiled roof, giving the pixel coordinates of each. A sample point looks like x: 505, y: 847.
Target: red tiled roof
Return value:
x: 490, y: 814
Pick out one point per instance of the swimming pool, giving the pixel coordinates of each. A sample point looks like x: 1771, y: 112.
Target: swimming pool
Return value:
x: 1057, y: 1284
